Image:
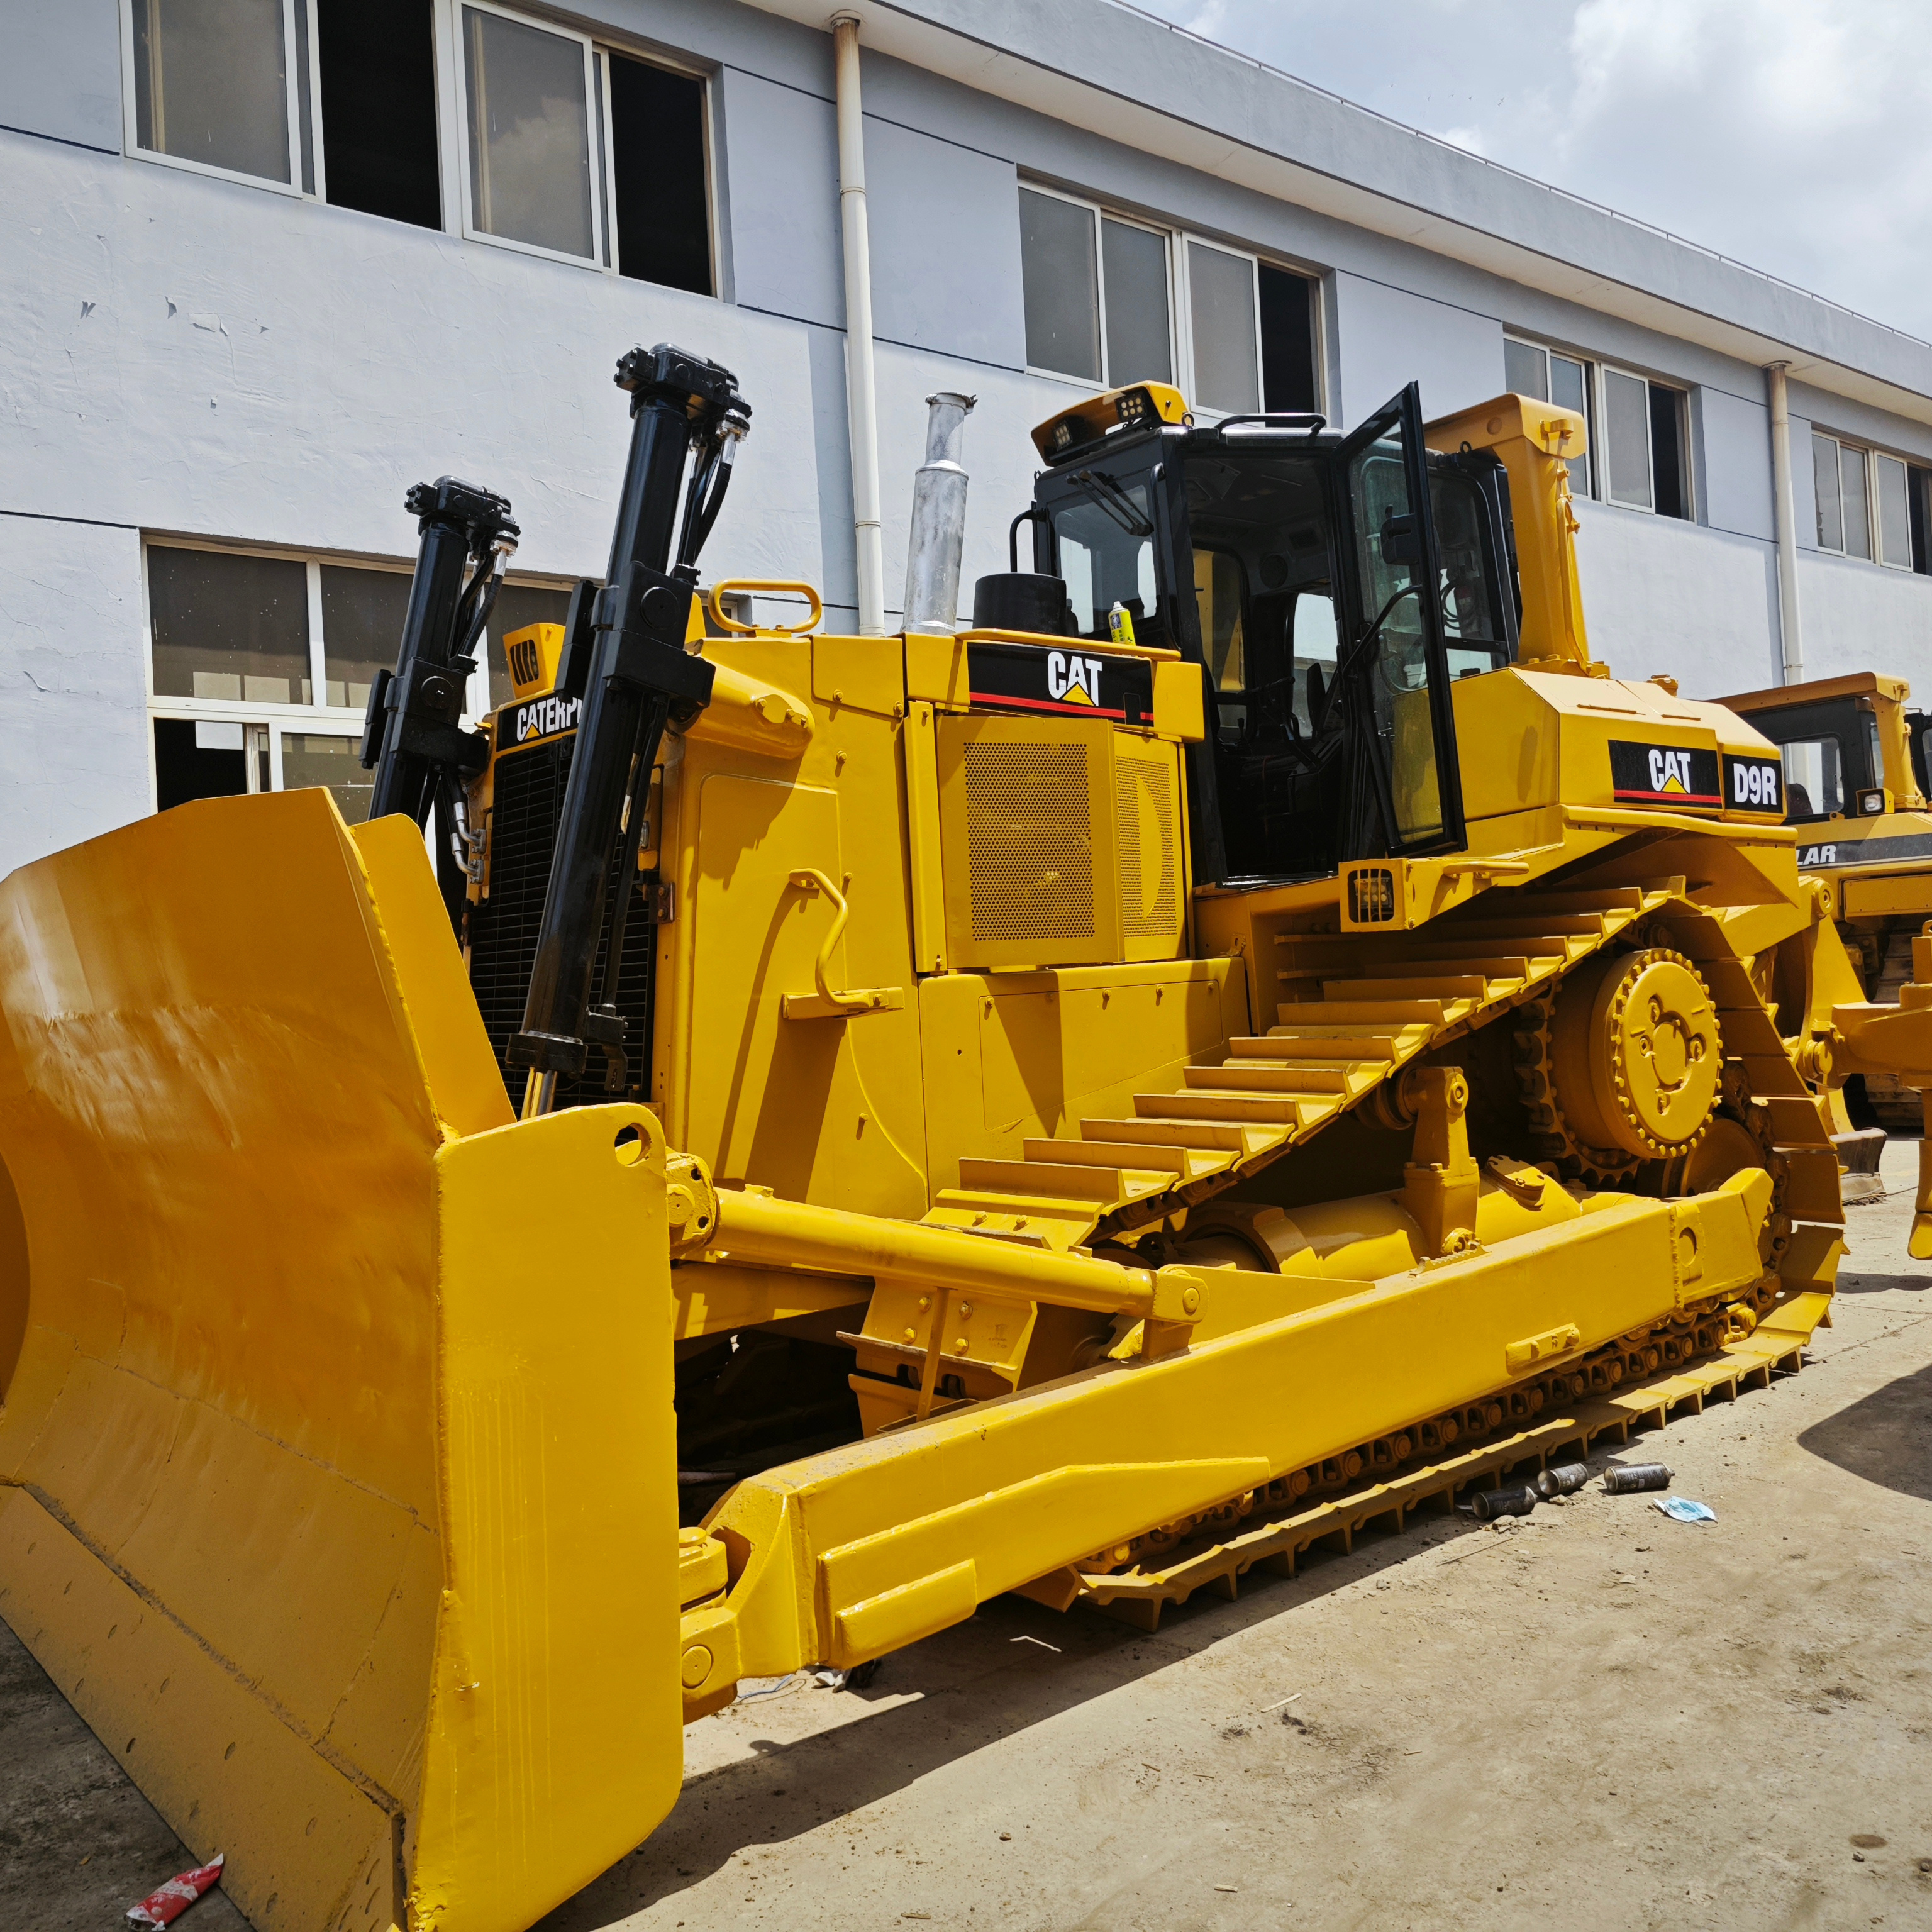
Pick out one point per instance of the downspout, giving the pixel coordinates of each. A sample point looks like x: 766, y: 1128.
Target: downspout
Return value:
x: 861, y: 390
x: 1785, y: 510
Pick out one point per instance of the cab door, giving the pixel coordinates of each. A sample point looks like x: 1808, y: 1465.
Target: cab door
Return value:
x: 1395, y: 662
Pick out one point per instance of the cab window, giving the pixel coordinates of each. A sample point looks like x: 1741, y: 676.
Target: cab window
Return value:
x: 1471, y: 624
x: 1814, y: 778
x: 1104, y: 535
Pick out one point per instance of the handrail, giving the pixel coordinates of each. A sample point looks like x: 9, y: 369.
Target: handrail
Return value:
x: 714, y: 601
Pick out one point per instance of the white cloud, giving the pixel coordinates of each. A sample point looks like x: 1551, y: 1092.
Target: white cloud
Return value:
x: 1795, y: 135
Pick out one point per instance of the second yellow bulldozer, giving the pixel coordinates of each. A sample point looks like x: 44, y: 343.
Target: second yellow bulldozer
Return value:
x: 1256, y: 1033
x: 1855, y: 758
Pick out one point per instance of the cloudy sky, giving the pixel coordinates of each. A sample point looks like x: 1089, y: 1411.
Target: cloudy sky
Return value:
x: 1794, y: 135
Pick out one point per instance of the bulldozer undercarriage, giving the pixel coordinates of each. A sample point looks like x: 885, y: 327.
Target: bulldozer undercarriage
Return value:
x: 1383, y: 1486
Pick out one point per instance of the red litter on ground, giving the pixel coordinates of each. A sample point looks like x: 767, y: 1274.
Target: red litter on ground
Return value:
x: 164, y: 1906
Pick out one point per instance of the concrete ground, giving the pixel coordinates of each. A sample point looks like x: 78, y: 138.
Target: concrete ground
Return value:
x: 1595, y: 1718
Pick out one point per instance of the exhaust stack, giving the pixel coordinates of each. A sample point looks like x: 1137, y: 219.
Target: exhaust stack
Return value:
x: 938, y: 518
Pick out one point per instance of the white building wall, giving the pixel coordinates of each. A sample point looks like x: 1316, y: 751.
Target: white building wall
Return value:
x: 1858, y: 616
x: 1696, y: 604
x: 1386, y: 338
x: 74, y: 756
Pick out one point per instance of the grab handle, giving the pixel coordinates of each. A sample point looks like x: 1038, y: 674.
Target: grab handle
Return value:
x: 827, y: 1003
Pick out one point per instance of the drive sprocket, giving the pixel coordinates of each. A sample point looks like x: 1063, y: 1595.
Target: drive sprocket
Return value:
x: 1622, y: 1064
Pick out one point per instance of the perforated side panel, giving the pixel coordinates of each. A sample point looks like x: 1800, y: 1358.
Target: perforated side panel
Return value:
x: 1029, y: 840
x: 1149, y: 839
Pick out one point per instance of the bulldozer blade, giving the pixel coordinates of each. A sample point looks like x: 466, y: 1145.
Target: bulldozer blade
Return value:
x: 337, y: 1485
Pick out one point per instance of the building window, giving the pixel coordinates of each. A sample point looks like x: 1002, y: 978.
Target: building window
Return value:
x: 232, y: 628
x: 1893, y: 521
x: 1224, y: 329
x: 1918, y: 515
x: 1096, y: 292
x: 1838, y: 471
x: 375, y: 60
x: 528, y: 153
x: 1103, y: 304
x: 572, y: 149
x: 214, y: 85
x: 1289, y: 336
x: 1870, y: 505
x: 1645, y: 446
x: 1529, y: 369
x: 262, y: 666
x: 661, y: 192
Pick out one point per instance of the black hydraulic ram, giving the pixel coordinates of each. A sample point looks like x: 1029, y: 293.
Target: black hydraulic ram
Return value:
x: 631, y: 668
x: 412, y: 734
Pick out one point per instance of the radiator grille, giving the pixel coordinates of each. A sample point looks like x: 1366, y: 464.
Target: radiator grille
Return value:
x: 529, y: 803
x: 1150, y: 879
x: 1029, y: 840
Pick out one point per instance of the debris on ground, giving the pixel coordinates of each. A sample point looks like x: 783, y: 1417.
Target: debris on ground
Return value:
x: 1682, y: 1509
x: 1635, y: 1477
x: 827, y: 1677
x: 749, y: 1687
x: 1519, y: 1499
x: 1565, y: 1480
x: 164, y: 1907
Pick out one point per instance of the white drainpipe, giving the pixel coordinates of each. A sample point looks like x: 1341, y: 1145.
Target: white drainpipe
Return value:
x: 861, y: 391
x: 1785, y: 510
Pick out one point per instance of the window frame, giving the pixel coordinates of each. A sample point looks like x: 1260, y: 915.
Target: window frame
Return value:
x: 1180, y: 270
x: 1318, y: 324
x: 1100, y: 211
x: 1600, y: 403
x: 315, y: 187
x: 130, y: 115
x: 1605, y: 371
x: 607, y: 50
x: 1874, y: 538
x: 1871, y: 457
x: 308, y: 165
x: 1877, y: 459
x: 597, y: 108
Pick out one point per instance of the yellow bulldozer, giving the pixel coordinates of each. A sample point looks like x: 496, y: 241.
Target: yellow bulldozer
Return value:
x: 1253, y: 1037
x: 1854, y: 754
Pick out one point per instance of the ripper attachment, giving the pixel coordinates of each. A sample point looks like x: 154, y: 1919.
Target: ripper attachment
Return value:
x: 412, y: 734
x: 625, y: 658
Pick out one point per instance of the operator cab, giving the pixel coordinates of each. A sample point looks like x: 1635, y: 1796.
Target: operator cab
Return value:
x: 1850, y: 748
x: 1331, y: 589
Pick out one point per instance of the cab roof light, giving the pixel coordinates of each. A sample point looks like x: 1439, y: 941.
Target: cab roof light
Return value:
x: 1137, y: 405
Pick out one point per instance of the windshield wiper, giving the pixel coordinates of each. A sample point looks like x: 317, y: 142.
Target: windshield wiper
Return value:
x: 1101, y: 489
